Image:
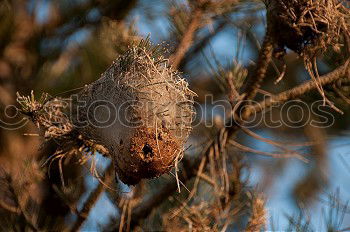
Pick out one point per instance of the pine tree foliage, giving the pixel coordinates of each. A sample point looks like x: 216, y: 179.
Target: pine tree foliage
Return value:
x: 188, y: 172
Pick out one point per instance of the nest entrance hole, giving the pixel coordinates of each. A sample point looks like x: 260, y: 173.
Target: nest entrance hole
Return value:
x: 147, y: 150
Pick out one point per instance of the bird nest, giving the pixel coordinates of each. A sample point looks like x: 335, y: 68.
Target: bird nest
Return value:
x: 153, y: 107
x: 308, y: 27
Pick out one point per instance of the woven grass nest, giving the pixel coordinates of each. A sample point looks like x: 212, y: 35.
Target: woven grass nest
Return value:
x: 141, y: 111
x: 308, y: 27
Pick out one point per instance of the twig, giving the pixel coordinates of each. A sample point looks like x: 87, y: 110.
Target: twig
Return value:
x: 187, y: 38
x: 92, y: 200
x: 9, y: 208
x: 265, y: 56
x: 257, y: 219
x: 341, y: 95
x: 301, y: 89
x: 275, y: 155
x: 204, y: 42
x: 16, y: 199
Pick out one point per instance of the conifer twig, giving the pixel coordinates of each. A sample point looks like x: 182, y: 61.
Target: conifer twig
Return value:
x: 257, y: 219
x: 22, y: 214
x: 187, y: 38
x: 92, y: 200
x: 264, y: 59
x: 9, y: 208
x: 300, y: 90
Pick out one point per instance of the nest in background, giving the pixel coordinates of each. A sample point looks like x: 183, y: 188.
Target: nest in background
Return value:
x: 308, y: 27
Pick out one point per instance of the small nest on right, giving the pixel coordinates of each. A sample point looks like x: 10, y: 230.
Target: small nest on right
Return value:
x: 309, y: 27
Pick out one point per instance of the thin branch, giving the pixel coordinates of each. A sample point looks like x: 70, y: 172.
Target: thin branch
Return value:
x: 22, y: 214
x: 302, y: 89
x: 92, y: 200
x: 274, y: 155
x: 257, y: 220
x: 187, y: 38
x: 9, y: 208
x: 341, y: 95
x: 281, y: 145
x: 264, y: 59
x: 202, y: 44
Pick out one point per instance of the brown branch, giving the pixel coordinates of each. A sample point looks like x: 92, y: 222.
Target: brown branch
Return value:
x: 221, y: 25
x: 187, y: 38
x: 239, y: 116
x: 265, y: 56
x: 341, y: 95
x: 300, y: 90
x: 92, y: 199
x: 274, y: 155
x: 257, y: 220
x: 22, y: 214
x: 9, y: 207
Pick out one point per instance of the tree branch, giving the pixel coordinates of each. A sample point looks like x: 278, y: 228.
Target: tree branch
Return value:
x: 300, y: 90
x: 200, y: 45
x: 187, y: 39
x: 92, y: 199
x: 265, y: 56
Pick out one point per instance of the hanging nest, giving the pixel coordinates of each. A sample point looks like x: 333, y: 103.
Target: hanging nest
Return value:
x: 308, y: 27
x: 141, y: 111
